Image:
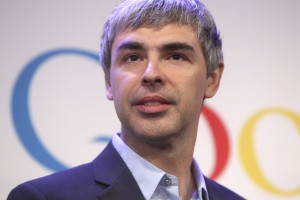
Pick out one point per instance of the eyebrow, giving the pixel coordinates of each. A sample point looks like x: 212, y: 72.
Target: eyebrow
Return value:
x: 172, y: 46
x: 131, y: 46
x: 177, y: 46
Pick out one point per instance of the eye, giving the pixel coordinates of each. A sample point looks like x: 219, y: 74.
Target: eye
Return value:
x: 176, y: 57
x: 132, y: 58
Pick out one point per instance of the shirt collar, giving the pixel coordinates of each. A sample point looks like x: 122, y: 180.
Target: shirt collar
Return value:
x: 145, y: 173
x: 199, y: 178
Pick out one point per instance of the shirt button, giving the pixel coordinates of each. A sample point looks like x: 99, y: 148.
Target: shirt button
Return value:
x: 168, y: 181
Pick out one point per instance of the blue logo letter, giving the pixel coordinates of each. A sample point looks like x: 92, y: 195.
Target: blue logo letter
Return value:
x: 20, y: 111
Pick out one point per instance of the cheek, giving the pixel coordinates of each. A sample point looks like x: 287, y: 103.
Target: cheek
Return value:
x: 194, y: 91
x: 123, y: 85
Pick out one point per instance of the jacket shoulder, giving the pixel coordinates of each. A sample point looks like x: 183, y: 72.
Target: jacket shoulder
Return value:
x: 217, y: 191
x: 68, y: 184
x: 106, y: 177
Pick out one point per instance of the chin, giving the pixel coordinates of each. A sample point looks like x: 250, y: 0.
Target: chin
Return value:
x: 158, y: 136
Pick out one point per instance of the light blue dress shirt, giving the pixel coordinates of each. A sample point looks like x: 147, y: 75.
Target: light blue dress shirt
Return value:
x: 154, y: 183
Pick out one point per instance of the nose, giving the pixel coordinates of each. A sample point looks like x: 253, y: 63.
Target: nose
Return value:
x: 153, y: 75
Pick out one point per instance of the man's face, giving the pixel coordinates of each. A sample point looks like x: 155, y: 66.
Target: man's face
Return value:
x: 158, y: 80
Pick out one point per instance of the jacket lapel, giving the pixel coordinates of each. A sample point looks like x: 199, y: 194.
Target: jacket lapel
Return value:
x: 110, y: 170
x: 213, y: 190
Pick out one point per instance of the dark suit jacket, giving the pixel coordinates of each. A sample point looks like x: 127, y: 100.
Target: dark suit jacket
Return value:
x: 106, y: 178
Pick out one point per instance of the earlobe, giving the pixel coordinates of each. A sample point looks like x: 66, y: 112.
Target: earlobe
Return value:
x: 109, y: 95
x: 214, y: 81
x: 108, y: 89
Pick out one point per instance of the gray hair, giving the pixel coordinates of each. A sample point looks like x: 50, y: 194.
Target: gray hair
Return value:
x: 156, y: 14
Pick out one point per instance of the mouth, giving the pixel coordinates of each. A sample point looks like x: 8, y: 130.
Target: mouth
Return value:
x: 153, y: 105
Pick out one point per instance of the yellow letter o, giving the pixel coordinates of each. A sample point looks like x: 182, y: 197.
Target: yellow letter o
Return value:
x: 247, y: 151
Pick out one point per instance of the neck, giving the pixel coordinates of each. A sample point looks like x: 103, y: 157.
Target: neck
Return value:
x: 186, y: 186
x: 173, y: 157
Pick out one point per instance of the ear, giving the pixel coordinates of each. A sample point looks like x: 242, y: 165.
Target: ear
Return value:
x: 108, y: 89
x: 214, y: 81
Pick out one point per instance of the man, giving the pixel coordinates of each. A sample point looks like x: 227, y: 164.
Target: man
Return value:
x: 161, y: 59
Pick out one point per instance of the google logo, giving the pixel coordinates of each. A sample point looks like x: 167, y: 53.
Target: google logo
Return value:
x: 28, y: 136
x: 247, y: 153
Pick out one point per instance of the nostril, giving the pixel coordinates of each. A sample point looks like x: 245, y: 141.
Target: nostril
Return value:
x: 145, y: 81
x: 152, y: 81
x: 157, y: 81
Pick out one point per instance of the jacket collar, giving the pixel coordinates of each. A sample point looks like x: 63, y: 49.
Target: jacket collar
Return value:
x: 110, y: 170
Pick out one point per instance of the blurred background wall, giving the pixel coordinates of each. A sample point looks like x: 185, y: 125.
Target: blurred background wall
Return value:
x: 54, y: 114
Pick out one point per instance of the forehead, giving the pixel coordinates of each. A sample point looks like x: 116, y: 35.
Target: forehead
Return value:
x: 156, y: 37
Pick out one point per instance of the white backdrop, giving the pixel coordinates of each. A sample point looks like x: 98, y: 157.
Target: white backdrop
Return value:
x: 68, y: 109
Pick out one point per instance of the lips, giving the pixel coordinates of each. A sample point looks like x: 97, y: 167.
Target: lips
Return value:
x: 153, y: 105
